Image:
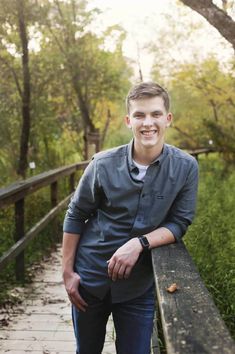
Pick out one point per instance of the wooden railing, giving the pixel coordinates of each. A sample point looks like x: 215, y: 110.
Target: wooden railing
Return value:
x: 16, y: 194
x: 190, y: 321
x: 203, y: 151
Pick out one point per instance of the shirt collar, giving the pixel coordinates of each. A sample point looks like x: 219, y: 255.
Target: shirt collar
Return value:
x: 157, y: 161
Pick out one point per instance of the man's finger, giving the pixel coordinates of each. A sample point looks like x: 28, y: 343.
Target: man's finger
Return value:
x: 121, y: 271
x: 111, y: 265
x: 78, y: 302
x: 127, y: 272
x: 115, y: 271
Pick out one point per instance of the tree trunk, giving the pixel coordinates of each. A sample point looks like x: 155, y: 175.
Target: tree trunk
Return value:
x: 87, y: 122
x: 106, y: 127
x: 25, y: 130
x: 215, y: 16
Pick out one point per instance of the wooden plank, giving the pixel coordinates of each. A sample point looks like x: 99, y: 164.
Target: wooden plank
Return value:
x: 20, y: 189
x: 44, y: 346
x: 22, y: 243
x: 190, y: 320
x: 42, y: 335
x: 154, y: 343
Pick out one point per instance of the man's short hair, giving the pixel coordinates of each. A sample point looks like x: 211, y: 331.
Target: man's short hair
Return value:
x: 147, y: 89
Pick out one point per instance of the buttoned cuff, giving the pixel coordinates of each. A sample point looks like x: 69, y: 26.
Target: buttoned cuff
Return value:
x: 73, y: 227
x: 175, y: 229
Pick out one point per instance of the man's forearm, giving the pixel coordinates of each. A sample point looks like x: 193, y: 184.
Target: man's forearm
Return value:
x: 159, y: 237
x: 69, y: 247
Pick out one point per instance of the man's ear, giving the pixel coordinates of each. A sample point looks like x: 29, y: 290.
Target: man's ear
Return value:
x: 127, y: 121
x: 169, y: 119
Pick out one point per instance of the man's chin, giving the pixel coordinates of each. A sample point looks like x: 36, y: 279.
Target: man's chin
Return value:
x: 149, y: 143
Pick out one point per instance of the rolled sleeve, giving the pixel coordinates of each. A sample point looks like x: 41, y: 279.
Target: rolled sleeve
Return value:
x: 182, y: 211
x: 84, y: 202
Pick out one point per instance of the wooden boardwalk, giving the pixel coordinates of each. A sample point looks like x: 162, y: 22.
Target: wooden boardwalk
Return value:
x: 42, y: 323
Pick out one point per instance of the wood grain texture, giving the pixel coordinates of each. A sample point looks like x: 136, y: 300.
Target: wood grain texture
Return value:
x: 190, y: 320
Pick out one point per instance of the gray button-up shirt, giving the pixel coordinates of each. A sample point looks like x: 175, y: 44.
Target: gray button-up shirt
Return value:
x: 110, y: 206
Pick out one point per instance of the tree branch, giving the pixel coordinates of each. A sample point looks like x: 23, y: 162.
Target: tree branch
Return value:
x: 215, y: 16
x: 188, y: 136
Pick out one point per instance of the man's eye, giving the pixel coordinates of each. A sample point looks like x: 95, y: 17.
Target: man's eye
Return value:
x: 139, y: 116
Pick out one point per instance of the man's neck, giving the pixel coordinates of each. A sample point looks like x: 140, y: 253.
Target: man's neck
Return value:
x: 146, y: 156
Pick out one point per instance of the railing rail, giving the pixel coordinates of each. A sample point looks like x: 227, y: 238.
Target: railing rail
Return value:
x: 190, y: 321
x: 19, y: 190
x: 16, y: 194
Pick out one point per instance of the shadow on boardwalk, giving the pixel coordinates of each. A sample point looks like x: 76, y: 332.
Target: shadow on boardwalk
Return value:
x: 42, y: 323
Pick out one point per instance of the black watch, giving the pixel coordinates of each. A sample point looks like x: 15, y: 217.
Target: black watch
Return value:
x: 144, y: 242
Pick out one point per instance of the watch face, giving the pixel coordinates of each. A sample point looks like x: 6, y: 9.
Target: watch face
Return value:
x: 144, y: 242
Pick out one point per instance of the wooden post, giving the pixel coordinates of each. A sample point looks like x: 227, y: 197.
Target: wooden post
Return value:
x: 54, y: 194
x: 19, y: 233
x: 72, y: 182
x: 54, y: 202
x: 93, y: 139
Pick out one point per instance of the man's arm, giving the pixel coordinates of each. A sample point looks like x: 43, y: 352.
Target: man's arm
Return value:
x: 71, y: 279
x: 179, y: 218
x: 124, y: 259
x: 82, y: 205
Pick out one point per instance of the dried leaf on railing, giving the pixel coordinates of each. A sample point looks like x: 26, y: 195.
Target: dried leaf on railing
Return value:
x: 172, y: 288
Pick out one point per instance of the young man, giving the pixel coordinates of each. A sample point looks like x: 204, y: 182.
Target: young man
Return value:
x: 129, y: 200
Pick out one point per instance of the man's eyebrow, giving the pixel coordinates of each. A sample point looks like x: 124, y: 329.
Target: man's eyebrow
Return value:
x: 157, y: 111
x: 138, y: 112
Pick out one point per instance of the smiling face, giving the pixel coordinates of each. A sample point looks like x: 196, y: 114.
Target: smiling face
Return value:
x: 148, y: 120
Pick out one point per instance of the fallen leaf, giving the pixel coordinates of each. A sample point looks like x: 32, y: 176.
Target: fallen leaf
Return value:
x: 172, y: 288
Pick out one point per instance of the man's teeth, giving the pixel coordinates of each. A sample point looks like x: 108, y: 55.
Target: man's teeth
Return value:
x: 148, y: 133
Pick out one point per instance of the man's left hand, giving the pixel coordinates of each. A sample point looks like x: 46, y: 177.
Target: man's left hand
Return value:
x: 124, y: 259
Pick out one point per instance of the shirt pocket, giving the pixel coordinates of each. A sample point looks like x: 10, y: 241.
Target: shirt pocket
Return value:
x: 160, y: 205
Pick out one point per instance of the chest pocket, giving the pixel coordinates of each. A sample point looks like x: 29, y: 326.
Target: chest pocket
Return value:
x: 160, y: 205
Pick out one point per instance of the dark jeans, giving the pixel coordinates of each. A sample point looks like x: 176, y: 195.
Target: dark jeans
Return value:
x: 133, y: 322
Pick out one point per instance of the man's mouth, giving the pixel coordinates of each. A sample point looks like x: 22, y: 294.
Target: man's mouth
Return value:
x: 148, y: 132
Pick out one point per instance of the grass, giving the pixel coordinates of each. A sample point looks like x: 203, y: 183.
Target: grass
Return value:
x: 211, y: 238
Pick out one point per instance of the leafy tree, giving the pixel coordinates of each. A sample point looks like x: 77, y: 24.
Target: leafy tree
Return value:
x: 204, y: 96
x: 96, y: 75
x: 82, y: 77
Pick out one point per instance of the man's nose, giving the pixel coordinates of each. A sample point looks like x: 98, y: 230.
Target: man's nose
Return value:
x: 148, y: 120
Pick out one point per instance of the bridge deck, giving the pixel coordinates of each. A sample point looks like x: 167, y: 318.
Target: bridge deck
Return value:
x: 42, y: 323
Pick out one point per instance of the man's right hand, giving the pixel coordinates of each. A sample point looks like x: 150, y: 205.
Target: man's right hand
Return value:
x: 71, y: 282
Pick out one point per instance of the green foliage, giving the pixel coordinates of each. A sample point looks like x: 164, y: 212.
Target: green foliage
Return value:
x: 203, y: 96
x: 211, y: 238
x: 73, y: 74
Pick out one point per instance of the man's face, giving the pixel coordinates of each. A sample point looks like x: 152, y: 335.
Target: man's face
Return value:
x: 148, y: 120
